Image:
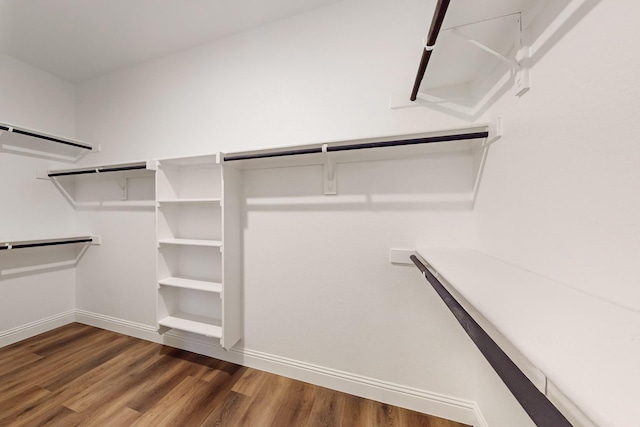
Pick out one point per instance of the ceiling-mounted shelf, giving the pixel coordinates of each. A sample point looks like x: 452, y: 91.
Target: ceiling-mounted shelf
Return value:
x: 477, y: 51
x: 30, y: 142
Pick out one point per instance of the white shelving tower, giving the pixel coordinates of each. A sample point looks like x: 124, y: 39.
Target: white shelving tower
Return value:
x: 199, y: 257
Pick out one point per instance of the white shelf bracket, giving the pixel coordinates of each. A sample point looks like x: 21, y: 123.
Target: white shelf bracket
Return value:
x: 512, y: 62
x: 330, y: 181
x: 125, y: 188
x: 496, y: 130
x: 521, y: 82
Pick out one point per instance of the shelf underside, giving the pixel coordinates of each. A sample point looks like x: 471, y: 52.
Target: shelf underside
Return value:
x: 34, y: 142
x: 195, y: 324
x: 191, y: 242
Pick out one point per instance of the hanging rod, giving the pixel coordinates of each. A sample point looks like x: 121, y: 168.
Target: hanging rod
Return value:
x: 532, y: 400
x: 434, y: 30
x: 99, y: 169
x: 8, y: 246
x: 365, y: 145
x: 45, y: 137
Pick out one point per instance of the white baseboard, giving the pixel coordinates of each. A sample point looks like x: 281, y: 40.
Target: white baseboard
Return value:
x: 125, y: 327
x: 425, y: 401
x: 29, y: 330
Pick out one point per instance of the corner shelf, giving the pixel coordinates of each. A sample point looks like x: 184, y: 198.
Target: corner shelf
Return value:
x: 30, y: 142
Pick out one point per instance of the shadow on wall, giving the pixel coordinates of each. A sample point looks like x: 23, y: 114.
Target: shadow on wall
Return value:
x: 40, y: 145
x: 108, y: 192
x: 440, y: 182
x: 436, y: 182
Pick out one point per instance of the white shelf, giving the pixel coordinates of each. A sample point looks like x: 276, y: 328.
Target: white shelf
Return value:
x: 359, y: 155
x: 215, y: 200
x: 10, y: 244
x: 31, y: 142
x: 191, y: 242
x: 191, y: 323
x: 198, y: 285
x: 128, y: 170
x: 587, y: 348
x: 209, y: 159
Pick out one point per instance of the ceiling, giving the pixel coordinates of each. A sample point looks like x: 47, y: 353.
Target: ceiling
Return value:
x: 81, y: 39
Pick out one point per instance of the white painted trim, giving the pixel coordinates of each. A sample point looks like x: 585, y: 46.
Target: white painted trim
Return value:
x: 460, y: 410
x: 441, y: 405
x: 133, y: 329
x: 29, y: 330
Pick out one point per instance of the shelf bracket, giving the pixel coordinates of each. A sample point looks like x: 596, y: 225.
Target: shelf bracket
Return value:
x: 330, y: 181
x: 520, y: 73
x: 125, y: 188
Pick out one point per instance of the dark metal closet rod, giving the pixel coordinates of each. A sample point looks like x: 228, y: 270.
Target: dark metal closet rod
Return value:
x: 434, y: 30
x: 383, y: 144
x: 534, y: 402
x: 34, y: 245
x: 98, y: 170
x: 48, y: 138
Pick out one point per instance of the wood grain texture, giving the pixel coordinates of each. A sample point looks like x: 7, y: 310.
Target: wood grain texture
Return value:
x: 78, y: 375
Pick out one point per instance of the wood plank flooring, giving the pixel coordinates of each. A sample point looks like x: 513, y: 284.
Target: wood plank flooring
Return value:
x: 78, y: 375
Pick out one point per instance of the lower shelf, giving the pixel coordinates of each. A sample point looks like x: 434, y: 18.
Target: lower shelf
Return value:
x: 191, y: 323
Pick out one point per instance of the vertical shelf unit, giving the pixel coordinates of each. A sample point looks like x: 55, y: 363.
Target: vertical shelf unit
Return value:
x: 199, y: 262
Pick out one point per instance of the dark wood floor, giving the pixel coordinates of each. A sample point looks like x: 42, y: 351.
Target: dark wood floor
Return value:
x: 78, y: 375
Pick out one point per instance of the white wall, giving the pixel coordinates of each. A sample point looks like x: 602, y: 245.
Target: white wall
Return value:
x: 556, y: 196
x: 326, y: 75
x: 30, y: 207
x: 560, y: 191
x: 318, y: 285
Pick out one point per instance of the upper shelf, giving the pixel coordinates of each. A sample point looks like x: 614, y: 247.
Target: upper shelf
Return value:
x: 584, y: 349
x: 128, y: 170
x: 34, y: 243
x: 482, y: 50
x: 204, y: 160
x: 383, y: 148
x: 35, y: 143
